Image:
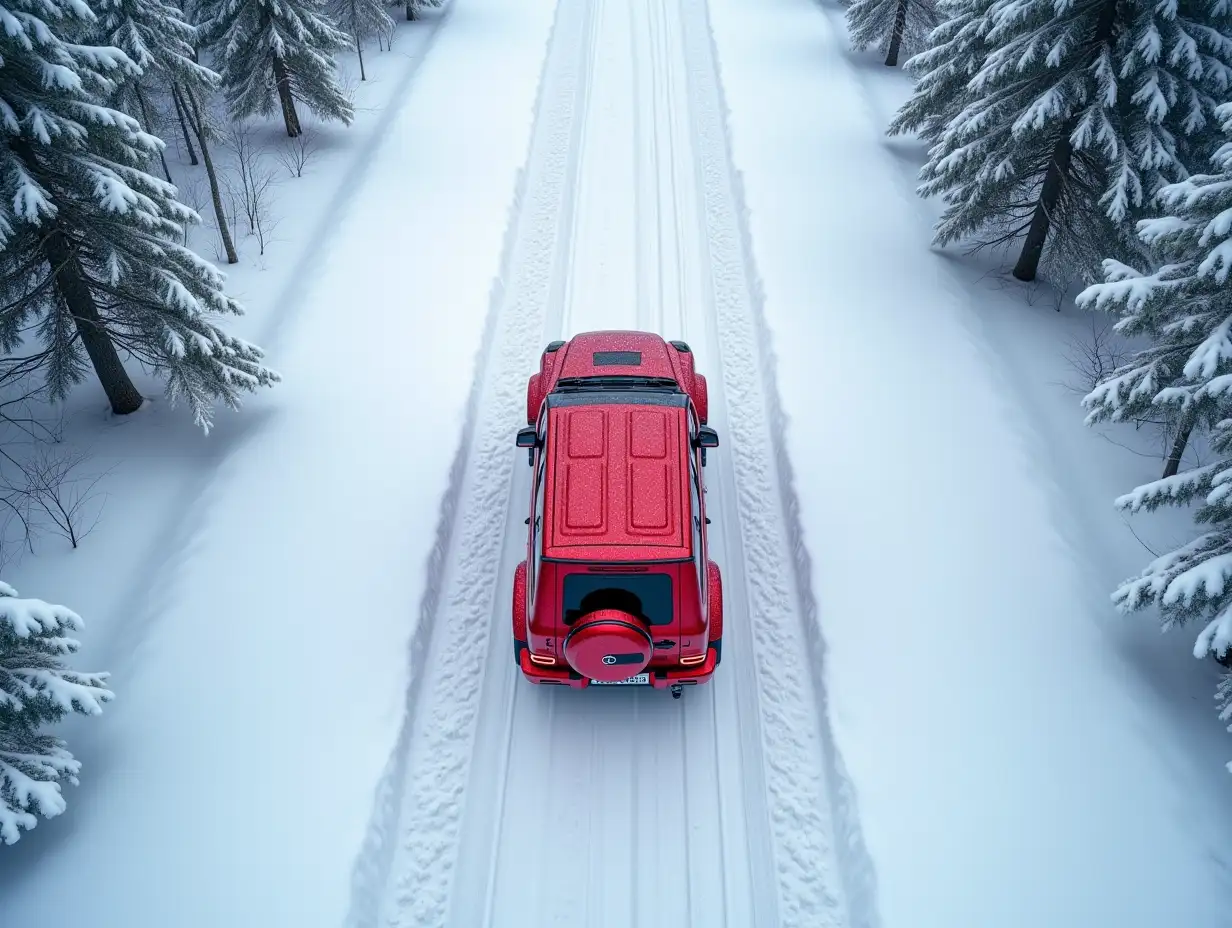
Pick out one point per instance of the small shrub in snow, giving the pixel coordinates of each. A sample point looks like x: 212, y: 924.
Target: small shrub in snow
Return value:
x: 297, y: 152
x: 36, y: 689
x: 1184, y: 307
x: 255, y: 181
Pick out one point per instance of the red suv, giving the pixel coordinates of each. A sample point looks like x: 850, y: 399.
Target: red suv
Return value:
x: 616, y: 587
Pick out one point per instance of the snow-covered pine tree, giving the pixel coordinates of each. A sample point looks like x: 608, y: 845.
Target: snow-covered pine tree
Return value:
x: 37, y: 690
x: 954, y: 53
x: 156, y: 36
x: 1079, y: 113
x: 893, y: 25
x: 277, y: 50
x: 89, y: 258
x: 118, y: 26
x: 362, y: 19
x: 1184, y: 309
x: 415, y: 7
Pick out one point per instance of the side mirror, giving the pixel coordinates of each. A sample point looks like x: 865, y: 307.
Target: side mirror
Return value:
x: 528, y: 438
x: 707, y: 437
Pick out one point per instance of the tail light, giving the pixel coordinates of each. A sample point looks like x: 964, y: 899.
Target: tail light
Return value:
x: 542, y: 660
x: 686, y: 661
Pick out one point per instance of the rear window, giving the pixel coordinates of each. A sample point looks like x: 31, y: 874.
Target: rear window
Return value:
x: 648, y: 596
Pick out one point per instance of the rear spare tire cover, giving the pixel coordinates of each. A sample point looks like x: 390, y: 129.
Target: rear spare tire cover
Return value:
x: 608, y: 645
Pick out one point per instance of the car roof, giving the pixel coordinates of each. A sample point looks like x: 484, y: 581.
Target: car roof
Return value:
x: 616, y: 353
x: 617, y: 479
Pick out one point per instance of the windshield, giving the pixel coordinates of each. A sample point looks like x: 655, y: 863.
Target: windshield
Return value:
x: 647, y: 596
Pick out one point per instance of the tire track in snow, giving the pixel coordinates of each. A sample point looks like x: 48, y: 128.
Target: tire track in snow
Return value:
x: 533, y: 747
x: 658, y: 814
x: 403, y: 876
x: 557, y: 318
x: 824, y: 873
x: 723, y: 777
x: 560, y: 302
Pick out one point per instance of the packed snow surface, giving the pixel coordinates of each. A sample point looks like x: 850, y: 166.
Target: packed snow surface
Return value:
x: 711, y: 810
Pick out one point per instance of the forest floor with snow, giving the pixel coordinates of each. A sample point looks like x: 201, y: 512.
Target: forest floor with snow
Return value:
x: 1021, y: 753
x: 1017, y: 754
x: 252, y: 591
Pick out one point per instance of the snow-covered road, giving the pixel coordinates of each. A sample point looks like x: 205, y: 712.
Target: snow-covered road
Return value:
x: 255, y: 590
x: 517, y: 805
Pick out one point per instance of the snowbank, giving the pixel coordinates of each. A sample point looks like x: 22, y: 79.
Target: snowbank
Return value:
x: 1022, y: 756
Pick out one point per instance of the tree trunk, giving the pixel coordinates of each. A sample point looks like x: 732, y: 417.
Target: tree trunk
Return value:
x: 215, y: 193
x: 145, y: 117
x: 1173, y: 464
x: 896, y: 37
x: 1041, y: 219
x: 74, y: 289
x: 179, y: 112
x: 410, y: 11
x: 359, y: 50
x: 1058, y: 169
x: 283, y: 79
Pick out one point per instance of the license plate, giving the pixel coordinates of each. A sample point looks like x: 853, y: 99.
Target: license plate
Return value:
x: 642, y: 679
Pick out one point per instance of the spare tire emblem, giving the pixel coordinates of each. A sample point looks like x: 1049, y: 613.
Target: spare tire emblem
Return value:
x: 609, y: 658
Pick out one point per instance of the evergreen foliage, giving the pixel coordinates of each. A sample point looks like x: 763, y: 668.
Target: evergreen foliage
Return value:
x: 1184, y: 309
x: 363, y: 19
x: 89, y: 254
x: 155, y: 36
x: 37, y: 690
x: 895, y: 26
x: 1077, y: 113
x: 275, y: 53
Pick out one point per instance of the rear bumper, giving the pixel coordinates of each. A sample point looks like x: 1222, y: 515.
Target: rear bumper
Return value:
x: 661, y: 678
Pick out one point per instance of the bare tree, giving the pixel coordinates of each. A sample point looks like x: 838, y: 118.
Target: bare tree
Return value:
x: 296, y: 153
x: 256, y: 180
x: 1095, y: 355
x: 264, y: 220
x: 348, y: 84
x: 65, y: 501
x: 42, y: 486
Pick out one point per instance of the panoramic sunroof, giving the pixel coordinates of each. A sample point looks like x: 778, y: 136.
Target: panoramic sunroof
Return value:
x: 617, y: 358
